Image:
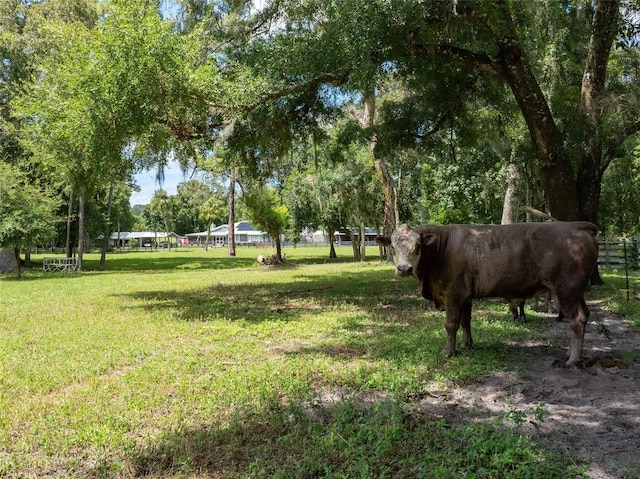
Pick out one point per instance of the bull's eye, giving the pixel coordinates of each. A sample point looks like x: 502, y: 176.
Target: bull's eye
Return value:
x: 417, y: 249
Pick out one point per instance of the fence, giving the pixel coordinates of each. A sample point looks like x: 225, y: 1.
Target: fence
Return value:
x: 618, y: 253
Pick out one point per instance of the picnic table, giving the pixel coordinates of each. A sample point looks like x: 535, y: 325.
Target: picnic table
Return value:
x: 59, y: 264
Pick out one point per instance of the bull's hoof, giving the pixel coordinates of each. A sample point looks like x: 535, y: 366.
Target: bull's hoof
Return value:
x: 569, y: 363
x: 466, y: 345
x: 448, y: 352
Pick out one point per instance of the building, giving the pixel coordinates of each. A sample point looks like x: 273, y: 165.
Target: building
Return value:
x: 339, y: 237
x: 145, y: 239
x: 245, y: 234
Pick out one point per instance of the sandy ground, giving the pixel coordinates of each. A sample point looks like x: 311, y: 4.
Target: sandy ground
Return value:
x: 591, y: 411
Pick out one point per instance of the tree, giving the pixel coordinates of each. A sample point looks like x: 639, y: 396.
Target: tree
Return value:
x: 190, y: 198
x: 568, y: 66
x: 27, y: 212
x: 19, y: 25
x: 366, y: 120
x: 163, y: 205
x: 231, y: 210
x: 470, y: 46
x: 106, y: 89
x: 335, y: 195
x: 211, y: 209
x: 267, y: 210
x: 620, y: 205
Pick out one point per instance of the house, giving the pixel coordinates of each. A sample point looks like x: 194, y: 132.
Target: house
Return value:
x: 245, y: 234
x: 145, y: 239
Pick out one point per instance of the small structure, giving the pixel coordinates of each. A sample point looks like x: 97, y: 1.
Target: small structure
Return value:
x: 59, y: 264
x: 339, y: 237
x: 145, y: 239
x: 245, y: 234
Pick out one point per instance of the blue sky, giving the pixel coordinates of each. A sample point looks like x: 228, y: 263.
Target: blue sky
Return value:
x: 148, y: 184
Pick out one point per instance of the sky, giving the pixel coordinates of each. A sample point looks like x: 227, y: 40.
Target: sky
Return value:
x: 148, y: 183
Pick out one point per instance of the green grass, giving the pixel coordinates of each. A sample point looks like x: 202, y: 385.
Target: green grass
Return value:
x: 191, y: 364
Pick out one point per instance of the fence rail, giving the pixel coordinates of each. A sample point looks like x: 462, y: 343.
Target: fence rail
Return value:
x: 616, y: 253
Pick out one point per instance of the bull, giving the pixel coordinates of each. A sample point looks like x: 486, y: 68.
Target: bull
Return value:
x: 458, y: 263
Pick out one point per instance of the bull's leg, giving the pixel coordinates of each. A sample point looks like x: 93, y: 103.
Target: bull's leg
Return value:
x: 465, y: 321
x: 578, y: 317
x: 513, y: 307
x: 451, y: 324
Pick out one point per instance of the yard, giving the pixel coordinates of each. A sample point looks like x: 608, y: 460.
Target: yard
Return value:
x: 191, y: 364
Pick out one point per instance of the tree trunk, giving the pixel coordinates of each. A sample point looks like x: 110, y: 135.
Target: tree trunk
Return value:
x: 332, y: 247
x: 510, y: 204
x: 389, y: 196
x: 16, y: 252
x: 331, y: 228
x: 81, y: 202
x: 278, y: 248
x: 8, y: 263
x: 354, y: 243
x: 604, y: 28
x: 557, y: 172
x: 107, y: 232
x: 589, y: 189
x: 232, y: 215
x: 167, y: 232
x: 366, y: 122
x: 363, y: 242
x: 68, y: 247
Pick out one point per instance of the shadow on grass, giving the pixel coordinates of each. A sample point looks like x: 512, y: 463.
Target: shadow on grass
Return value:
x: 382, y: 317
x: 348, y: 435
x: 366, y: 427
x: 253, y: 303
x: 156, y: 262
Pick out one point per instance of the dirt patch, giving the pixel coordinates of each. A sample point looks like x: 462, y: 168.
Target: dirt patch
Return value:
x: 592, y: 412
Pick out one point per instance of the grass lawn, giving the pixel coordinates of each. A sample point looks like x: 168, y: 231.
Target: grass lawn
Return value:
x: 191, y: 364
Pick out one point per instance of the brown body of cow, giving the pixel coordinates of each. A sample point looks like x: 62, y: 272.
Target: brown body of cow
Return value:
x: 457, y: 263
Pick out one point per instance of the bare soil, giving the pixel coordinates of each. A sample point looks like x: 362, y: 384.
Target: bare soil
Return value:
x: 592, y: 411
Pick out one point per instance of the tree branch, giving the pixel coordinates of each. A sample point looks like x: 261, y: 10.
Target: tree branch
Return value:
x: 603, y: 33
x: 312, y: 84
x: 480, y: 61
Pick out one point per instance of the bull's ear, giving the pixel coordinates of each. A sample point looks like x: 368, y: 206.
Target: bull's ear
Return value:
x: 428, y: 239
x: 383, y: 240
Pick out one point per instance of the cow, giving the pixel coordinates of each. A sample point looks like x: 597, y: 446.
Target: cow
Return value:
x: 457, y: 263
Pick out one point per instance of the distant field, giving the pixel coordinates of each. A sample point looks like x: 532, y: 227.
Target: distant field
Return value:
x: 191, y: 364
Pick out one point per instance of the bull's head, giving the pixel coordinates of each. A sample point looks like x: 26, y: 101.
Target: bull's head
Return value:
x: 406, y: 246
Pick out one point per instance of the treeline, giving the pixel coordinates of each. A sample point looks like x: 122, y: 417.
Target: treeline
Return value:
x: 319, y: 114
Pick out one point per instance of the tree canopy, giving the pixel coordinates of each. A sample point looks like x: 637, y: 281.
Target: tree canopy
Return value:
x: 442, y: 97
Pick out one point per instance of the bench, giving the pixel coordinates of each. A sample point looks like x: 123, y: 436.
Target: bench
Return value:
x: 59, y: 264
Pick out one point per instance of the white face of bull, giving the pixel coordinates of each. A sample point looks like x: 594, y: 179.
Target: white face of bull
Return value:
x: 406, y: 247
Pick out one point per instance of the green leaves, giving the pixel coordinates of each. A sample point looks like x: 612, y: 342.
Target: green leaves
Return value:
x: 27, y: 211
